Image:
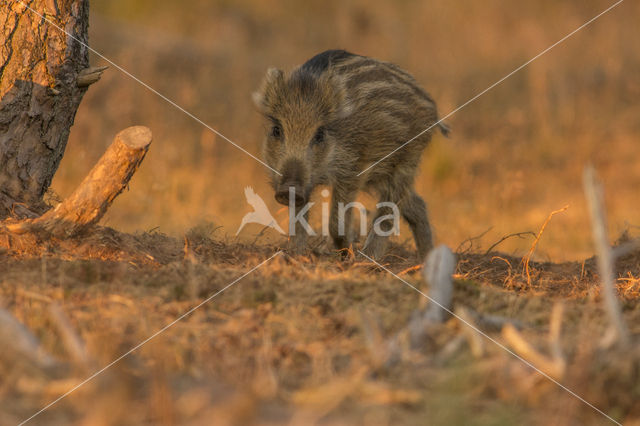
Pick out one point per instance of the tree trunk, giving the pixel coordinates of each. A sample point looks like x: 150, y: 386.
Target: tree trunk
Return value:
x: 39, y: 95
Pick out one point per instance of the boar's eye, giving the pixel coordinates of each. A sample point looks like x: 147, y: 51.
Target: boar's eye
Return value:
x: 276, y: 131
x: 318, y: 138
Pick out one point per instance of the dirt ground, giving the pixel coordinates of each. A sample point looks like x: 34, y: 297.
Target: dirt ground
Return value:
x: 302, y: 340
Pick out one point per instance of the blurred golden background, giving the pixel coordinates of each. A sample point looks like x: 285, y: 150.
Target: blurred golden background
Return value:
x: 515, y: 154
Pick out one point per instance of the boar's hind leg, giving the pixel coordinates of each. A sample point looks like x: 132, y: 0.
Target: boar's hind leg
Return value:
x: 381, y: 227
x: 375, y: 245
x: 414, y: 211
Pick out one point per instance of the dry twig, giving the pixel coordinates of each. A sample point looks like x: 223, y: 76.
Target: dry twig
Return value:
x: 506, y: 237
x: 527, y: 258
x: 470, y: 241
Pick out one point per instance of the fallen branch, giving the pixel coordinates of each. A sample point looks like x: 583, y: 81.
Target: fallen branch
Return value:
x: 90, y: 201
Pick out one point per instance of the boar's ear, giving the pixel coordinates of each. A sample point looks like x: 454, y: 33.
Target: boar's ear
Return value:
x: 258, y: 100
x: 273, y: 80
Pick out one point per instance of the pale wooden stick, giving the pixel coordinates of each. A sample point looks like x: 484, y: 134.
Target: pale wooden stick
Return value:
x: 470, y: 330
x: 492, y: 322
x: 626, y: 248
x: 437, y: 272
x: 379, y: 350
x: 19, y: 345
x: 555, y: 329
x: 594, y: 195
x: 72, y: 342
x: 518, y: 343
x: 33, y: 295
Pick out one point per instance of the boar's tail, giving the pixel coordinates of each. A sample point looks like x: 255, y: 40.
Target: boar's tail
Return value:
x: 444, y: 129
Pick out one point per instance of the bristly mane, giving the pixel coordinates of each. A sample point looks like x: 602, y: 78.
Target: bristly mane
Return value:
x: 319, y: 63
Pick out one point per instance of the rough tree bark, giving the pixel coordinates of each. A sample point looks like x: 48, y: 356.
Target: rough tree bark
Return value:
x: 39, y: 95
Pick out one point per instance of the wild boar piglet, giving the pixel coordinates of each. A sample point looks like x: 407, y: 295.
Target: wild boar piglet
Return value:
x: 331, y: 119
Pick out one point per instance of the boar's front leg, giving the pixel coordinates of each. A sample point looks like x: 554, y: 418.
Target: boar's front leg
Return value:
x: 340, y: 218
x: 298, y: 240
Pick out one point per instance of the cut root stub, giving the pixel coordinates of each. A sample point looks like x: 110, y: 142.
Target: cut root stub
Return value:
x: 90, y: 201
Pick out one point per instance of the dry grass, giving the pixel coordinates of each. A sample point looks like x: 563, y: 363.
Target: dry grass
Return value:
x: 301, y: 340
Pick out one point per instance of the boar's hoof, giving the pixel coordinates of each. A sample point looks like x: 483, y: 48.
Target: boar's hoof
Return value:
x: 375, y: 246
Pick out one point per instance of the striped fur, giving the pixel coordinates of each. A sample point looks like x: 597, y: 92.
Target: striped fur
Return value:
x: 335, y: 115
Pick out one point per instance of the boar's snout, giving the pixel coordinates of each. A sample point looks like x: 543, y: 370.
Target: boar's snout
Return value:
x: 291, y: 184
x: 283, y: 194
